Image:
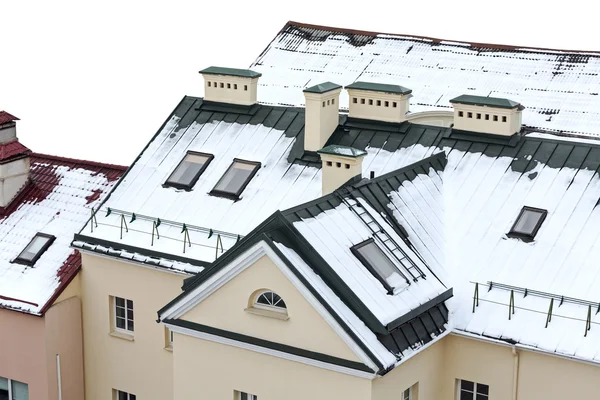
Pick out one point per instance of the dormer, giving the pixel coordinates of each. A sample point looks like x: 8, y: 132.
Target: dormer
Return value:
x: 378, y: 101
x: 230, y: 85
x: 490, y: 115
x: 14, y: 160
x: 339, y: 165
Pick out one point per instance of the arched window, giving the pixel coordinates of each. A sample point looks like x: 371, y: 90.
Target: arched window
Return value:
x: 271, y: 301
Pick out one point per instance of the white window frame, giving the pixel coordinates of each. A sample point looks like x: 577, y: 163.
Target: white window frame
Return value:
x: 238, y: 395
x: 10, y: 381
x: 409, y: 390
x: 114, y: 310
x: 117, y: 391
x: 281, y: 310
x: 459, y: 386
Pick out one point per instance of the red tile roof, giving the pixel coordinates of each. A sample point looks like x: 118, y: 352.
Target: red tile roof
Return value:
x: 6, y: 117
x: 12, y: 149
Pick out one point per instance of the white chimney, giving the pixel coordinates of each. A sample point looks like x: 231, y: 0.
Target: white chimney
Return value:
x: 377, y: 101
x: 230, y: 85
x: 339, y: 165
x: 14, y: 160
x: 322, y: 114
x: 491, y: 115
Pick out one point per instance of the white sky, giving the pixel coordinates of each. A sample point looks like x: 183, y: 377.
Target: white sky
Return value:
x: 95, y: 80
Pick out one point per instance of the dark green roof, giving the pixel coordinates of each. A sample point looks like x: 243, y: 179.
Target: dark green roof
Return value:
x: 244, y: 73
x: 379, y: 87
x: 344, y: 151
x: 485, y: 101
x: 322, y: 87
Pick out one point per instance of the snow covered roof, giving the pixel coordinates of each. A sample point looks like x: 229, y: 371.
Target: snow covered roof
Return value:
x: 560, y: 89
x: 57, y: 201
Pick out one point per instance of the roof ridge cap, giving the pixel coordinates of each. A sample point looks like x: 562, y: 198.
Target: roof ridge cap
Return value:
x: 80, y: 161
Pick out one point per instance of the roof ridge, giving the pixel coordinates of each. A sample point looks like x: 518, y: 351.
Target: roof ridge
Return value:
x: 526, y: 49
x: 80, y: 161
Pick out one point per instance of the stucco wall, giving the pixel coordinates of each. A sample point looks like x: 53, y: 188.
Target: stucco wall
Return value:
x: 209, y: 370
x: 74, y: 289
x: 321, y: 118
x: 141, y: 366
x: 23, y: 351
x: 64, y: 337
x: 224, y: 309
x: 426, y: 369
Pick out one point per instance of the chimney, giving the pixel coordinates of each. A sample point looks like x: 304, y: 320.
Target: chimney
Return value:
x: 230, y: 85
x: 322, y: 114
x: 14, y: 160
x: 490, y: 115
x: 378, y: 101
x: 340, y: 164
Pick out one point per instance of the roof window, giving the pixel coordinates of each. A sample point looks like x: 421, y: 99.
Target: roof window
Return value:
x: 235, y: 179
x: 378, y: 263
x: 34, y: 250
x: 188, y: 171
x: 528, y: 223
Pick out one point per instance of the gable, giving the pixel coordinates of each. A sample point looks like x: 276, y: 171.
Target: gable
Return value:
x: 226, y: 309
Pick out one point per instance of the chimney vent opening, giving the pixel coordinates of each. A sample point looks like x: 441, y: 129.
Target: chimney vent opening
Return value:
x: 372, y: 176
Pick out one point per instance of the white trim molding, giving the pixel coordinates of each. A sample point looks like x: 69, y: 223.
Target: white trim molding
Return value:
x: 271, y: 352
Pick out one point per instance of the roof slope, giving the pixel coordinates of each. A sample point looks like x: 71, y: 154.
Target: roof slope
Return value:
x: 57, y: 201
x: 558, y: 88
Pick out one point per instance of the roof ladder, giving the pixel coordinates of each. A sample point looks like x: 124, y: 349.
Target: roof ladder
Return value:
x: 382, y: 236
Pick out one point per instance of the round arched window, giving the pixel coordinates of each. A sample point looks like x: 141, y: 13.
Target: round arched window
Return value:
x: 271, y: 301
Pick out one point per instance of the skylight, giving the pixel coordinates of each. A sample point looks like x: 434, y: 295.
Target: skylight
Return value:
x: 235, y: 179
x: 528, y: 223
x: 379, y: 264
x: 188, y: 171
x: 34, y: 250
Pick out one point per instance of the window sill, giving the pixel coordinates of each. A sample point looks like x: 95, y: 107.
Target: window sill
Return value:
x: 169, y: 349
x: 267, y: 313
x: 122, y: 335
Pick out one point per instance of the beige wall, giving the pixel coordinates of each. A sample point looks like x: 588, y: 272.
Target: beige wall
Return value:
x: 23, y: 351
x: 378, y: 112
x: 337, y: 170
x: 72, y: 290
x: 225, y: 309
x: 426, y: 369
x: 64, y: 337
x: 13, y: 176
x: 209, y: 370
x: 229, y: 93
x: 511, y: 126
x: 321, y: 118
x: 142, y: 366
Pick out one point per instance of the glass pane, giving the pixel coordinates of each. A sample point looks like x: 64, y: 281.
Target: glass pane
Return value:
x: 466, y: 395
x: 130, y: 314
x: 527, y: 222
x: 130, y: 326
x: 120, y: 312
x: 243, y: 396
x: 20, y: 391
x: 381, y: 263
x: 188, y: 169
x: 483, y: 389
x: 132, y: 397
x: 33, y: 248
x: 482, y: 396
x: 262, y: 299
x: 121, y: 395
x: 3, y: 384
x: 130, y: 304
x: 467, y: 385
x: 120, y: 302
x: 120, y: 323
x: 235, y: 177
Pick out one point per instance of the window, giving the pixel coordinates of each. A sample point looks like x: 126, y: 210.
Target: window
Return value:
x: 338, y: 164
x: 245, y: 87
x: 378, y: 103
x: 222, y: 85
x: 394, y: 104
x: 332, y: 101
x: 495, y: 118
x: 406, y: 395
x: 329, y: 163
x: 461, y: 114
x: 347, y: 166
x: 215, y: 84
x: 13, y: 390
x: 208, y: 83
x: 362, y: 101
x: 387, y: 103
x: 236, y: 178
x: 473, y: 391
x: 229, y: 86
x: 323, y: 104
x: 469, y: 115
x: 378, y: 263
x: 478, y: 116
x: 120, y: 395
x: 244, y: 396
x: 487, y: 117
x: 328, y: 102
x: 235, y: 86
x: 123, y: 310
x: 188, y: 171
x: 504, y: 119
x: 271, y: 301
x: 370, y: 102
x: 354, y: 100
x: 34, y: 249
x: 528, y: 223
